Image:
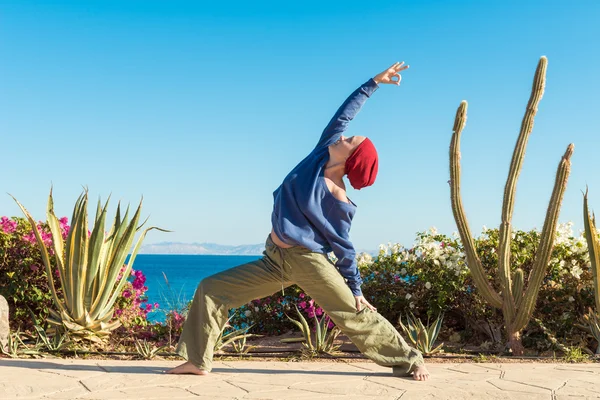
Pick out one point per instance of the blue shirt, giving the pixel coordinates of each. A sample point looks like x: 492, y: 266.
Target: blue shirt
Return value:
x: 305, y: 212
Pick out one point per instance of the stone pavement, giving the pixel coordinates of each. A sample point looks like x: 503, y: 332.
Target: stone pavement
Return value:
x: 109, y: 379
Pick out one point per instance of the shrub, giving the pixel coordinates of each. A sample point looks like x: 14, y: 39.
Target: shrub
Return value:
x: 268, y: 314
x: 432, y: 277
x: 132, y: 305
x: 23, y: 280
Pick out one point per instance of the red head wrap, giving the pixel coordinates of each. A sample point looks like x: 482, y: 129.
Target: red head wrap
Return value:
x: 362, y: 165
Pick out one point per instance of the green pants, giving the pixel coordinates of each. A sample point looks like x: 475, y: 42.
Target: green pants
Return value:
x: 374, y: 335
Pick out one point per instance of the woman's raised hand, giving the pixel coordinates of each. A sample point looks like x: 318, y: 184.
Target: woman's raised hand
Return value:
x: 389, y: 74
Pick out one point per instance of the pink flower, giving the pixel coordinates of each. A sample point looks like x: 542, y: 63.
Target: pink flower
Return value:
x: 148, y: 307
x: 319, y: 311
x: 30, y: 237
x: 126, y: 293
x: 8, y: 225
x: 155, y: 305
x: 302, y: 304
x: 34, y: 267
x: 301, y: 295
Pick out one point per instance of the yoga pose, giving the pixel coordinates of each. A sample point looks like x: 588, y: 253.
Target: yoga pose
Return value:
x: 311, y: 217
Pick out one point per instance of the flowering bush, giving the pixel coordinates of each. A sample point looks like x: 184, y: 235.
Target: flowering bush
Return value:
x: 424, y: 279
x: 268, y: 314
x: 132, y: 306
x: 23, y: 280
x: 432, y: 277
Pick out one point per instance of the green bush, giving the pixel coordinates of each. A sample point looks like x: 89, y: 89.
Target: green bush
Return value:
x: 23, y: 280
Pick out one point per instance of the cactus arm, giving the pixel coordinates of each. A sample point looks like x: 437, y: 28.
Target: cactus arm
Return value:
x: 591, y: 235
x: 544, y: 251
x: 473, y: 261
x: 518, y: 283
x: 537, y: 91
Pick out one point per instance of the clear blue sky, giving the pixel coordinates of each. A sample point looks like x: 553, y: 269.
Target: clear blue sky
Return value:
x: 203, y: 108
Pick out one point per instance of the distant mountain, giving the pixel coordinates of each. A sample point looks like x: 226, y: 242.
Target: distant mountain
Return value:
x: 201, y: 248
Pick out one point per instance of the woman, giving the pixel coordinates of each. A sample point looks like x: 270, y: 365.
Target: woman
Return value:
x: 311, y: 217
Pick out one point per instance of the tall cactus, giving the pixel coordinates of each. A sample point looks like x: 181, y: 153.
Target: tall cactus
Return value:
x: 516, y: 299
x: 592, y: 319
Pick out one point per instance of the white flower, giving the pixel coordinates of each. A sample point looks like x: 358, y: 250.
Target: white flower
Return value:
x: 457, y: 273
x: 576, y: 271
x: 247, y: 313
x: 411, y: 305
x: 436, y: 262
x: 484, y: 228
x: 433, y: 230
x: 403, y: 271
x: 256, y: 309
x: 428, y: 285
x: 408, y: 296
x: 364, y: 259
x: 383, y: 250
x: 571, y: 299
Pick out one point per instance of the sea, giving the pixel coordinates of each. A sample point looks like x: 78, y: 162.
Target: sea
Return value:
x: 172, y: 279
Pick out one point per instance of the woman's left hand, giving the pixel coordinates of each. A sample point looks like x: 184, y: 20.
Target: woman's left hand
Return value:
x: 360, y: 301
x: 389, y: 74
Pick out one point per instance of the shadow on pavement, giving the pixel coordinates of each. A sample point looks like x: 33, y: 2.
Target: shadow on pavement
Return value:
x: 133, y: 369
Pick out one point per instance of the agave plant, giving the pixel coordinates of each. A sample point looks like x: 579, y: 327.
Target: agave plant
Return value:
x: 238, y: 334
x: 89, y: 266
x: 13, y: 345
x: 324, y: 338
x: 239, y: 346
x: 49, y: 342
x: 146, y: 350
x: 423, y: 337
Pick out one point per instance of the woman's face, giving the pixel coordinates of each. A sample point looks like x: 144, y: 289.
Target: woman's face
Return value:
x: 344, y: 147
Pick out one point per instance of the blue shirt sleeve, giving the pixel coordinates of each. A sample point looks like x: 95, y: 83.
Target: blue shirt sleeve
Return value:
x: 338, y: 237
x: 347, y: 112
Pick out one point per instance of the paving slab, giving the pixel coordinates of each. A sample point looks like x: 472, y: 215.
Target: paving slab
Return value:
x: 274, y: 380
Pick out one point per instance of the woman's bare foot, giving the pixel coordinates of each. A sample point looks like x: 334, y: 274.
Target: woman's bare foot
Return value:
x: 187, y: 368
x: 420, y: 373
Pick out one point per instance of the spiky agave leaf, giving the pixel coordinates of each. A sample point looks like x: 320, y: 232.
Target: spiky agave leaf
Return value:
x: 57, y: 242
x: 410, y: 329
x: 76, y: 258
x: 591, y: 235
x: 95, y: 252
x: 304, y: 328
